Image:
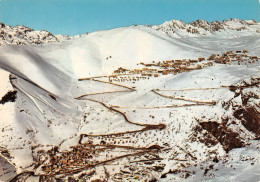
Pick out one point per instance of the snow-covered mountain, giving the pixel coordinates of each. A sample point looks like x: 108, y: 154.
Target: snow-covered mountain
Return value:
x: 226, y: 29
x: 66, y: 114
x: 21, y: 35
x: 232, y: 28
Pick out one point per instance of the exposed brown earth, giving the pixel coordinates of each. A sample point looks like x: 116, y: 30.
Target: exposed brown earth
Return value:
x: 225, y: 136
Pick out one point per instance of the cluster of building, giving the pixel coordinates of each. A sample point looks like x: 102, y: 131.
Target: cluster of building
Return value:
x: 61, y: 162
x: 156, y: 69
x: 231, y: 57
x: 123, y: 78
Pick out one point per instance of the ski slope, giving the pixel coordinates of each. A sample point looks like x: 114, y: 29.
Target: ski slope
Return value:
x: 46, y: 113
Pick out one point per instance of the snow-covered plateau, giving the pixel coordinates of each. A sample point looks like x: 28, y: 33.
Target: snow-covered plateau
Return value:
x: 169, y: 102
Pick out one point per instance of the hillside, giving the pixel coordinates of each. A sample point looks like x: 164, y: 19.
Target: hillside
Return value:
x: 132, y: 103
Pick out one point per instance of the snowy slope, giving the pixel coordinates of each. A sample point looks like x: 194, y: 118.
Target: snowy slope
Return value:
x: 239, y: 165
x: 51, y: 108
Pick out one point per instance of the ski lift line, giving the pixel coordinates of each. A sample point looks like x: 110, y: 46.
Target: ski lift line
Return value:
x: 188, y: 100
x: 104, y: 93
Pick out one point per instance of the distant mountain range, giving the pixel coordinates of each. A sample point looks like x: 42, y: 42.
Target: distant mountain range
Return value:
x: 21, y: 35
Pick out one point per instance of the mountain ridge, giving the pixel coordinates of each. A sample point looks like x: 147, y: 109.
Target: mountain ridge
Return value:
x: 205, y: 28
x: 22, y: 35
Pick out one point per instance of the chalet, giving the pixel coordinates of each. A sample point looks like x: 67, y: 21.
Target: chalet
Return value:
x: 137, y: 71
x: 254, y: 57
x: 165, y: 72
x: 239, y: 52
x: 201, y: 59
x: 149, y: 65
x: 219, y: 61
x: 177, y: 63
x: 245, y: 51
x: 152, y: 70
x: 193, y: 61
x: 156, y: 75
x: 209, y: 64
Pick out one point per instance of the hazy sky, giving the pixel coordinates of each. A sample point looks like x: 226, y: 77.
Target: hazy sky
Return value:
x: 79, y: 16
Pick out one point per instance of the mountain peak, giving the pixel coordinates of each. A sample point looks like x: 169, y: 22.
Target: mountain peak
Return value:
x: 22, y: 35
x: 231, y: 27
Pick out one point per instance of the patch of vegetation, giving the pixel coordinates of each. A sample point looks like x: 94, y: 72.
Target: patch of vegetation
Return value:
x: 9, y: 97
